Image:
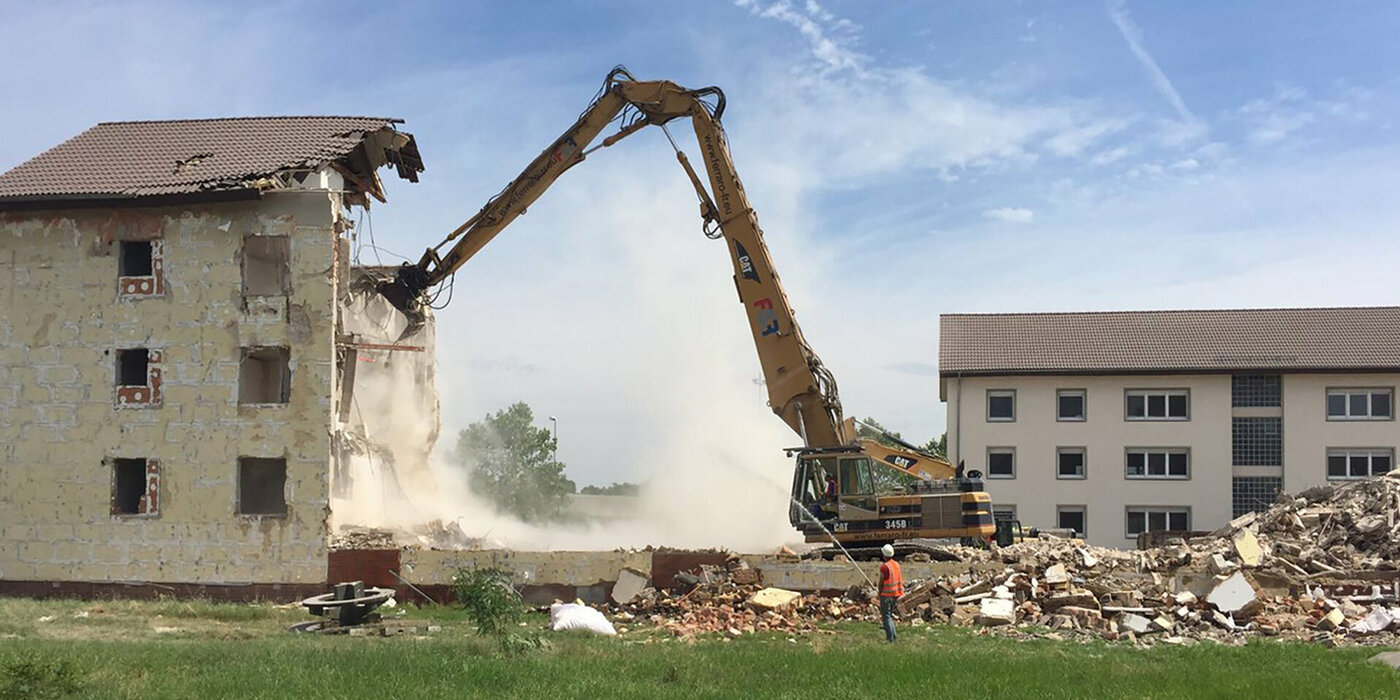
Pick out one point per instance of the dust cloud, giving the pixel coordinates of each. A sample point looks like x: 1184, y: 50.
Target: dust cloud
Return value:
x: 721, y: 482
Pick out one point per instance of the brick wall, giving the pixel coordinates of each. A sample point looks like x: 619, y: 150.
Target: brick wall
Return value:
x: 65, y: 311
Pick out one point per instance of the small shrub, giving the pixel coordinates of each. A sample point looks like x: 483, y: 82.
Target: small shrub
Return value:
x: 517, y: 643
x: 490, y: 601
x: 32, y: 677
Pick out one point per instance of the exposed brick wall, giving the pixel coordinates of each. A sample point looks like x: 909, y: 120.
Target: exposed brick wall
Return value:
x: 64, y: 313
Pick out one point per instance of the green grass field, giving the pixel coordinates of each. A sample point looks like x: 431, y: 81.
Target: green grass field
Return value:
x: 169, y: 649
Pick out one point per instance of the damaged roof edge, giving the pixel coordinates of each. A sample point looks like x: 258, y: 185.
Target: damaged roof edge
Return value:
x: 157, y: 163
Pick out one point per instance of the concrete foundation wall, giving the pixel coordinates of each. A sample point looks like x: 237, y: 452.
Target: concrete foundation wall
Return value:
x: 63, y: 317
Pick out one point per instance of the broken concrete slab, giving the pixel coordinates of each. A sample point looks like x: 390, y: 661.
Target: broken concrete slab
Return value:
x: 1331, y: 620
x: 1132, y: 622
x: 773, y: 599
x: 1233, y: 595
x: 1083, y: 599
x: 1389, y: 658
x: 1056, y: 575
x: 630, y: 583
x: 996, y: 611
x: 1247, y: 548
x: 1218, y: 564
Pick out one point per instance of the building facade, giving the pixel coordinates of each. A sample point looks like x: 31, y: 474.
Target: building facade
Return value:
x: 168, y: 350
x: 1115, y: 424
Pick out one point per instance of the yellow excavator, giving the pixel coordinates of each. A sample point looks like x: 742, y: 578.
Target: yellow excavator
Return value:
x: 938, y: 502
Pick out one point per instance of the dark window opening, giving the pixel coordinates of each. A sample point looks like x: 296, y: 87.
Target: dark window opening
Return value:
x: 264, y: 376
x: 1070, y: 405
x: 266, y: 266
x: 133, y: 367
x: 1001, y: 405
x: 261, y: 485
x: 129, y: 485
x: 134, y: 259
x: 1071, y: 519
x: 1070, y: 463
x: 1001, y: 463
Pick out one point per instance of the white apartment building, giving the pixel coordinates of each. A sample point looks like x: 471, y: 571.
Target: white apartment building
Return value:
x: 1126, y: 422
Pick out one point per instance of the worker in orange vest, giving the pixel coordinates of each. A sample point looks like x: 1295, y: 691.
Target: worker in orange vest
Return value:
x: 891, y: 589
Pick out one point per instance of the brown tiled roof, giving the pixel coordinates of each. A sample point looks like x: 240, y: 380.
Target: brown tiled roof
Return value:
x: 152, y: 158
x: 1170, y: 341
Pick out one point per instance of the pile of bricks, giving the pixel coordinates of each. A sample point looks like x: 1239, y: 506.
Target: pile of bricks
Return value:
x: 729, y: 600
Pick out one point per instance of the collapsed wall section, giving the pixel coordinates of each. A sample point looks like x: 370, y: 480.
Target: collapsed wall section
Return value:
x: 387, y: 418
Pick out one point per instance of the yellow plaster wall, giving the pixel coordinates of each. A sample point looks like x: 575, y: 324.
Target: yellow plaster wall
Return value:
x: 61, y: 321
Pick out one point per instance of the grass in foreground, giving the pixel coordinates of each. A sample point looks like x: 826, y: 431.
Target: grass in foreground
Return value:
x: 130, y: 649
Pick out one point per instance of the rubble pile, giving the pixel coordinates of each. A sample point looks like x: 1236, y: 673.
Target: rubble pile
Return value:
x: 729, y: 600
x: 1320, y: 567
x: 1323, y: 567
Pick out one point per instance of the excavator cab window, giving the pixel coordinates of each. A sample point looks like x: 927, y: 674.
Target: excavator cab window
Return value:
x: 855, y: 476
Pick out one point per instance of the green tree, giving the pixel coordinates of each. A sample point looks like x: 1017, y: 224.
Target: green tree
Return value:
x: 512, y: 462
x: 623, y: 488
x: 938, y: 446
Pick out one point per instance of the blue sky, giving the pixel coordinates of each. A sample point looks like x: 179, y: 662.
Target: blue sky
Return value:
x: 906, y: 159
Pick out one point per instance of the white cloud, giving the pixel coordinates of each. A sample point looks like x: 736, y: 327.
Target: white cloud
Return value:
x: 1118, y: 12
x: 1071, y: 142
x: 1275, y: 118
x: 1015, y: 215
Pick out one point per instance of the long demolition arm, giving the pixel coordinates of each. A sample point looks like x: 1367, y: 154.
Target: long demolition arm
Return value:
x: 801, y: 390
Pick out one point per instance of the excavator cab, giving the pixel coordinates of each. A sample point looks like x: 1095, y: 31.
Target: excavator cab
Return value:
x: 951, y: 508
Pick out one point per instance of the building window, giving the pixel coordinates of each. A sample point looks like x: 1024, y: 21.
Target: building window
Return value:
x: 140, y: 269
x: 1256, y: 391
x: 261, y: 486
x: 134, y: 259
x: 1254, y: 493
x: 1070, y: 463
x: 1359, y: 404
x: 1158, y: 519
x: 1001, y: 463
x: 1358, y: 463
x: 265, y: 376
x: 1157, y: 404
x: 1070, y: 404
x: 266, y: 266
x: 1071, y: 518
x: 138, y: 379
x: 1003, y: 512
x: 1001, y: 405
x: 1257, y: 442
x: 135, y: 486
x: 1158, y: 463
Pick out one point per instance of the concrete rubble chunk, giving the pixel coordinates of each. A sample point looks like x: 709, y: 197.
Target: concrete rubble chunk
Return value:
x: 1185, y: 598
x: 1389, y: 658
x: 996, y: 611
x: 630, y: 583
x: 1056, y: 575
x: 1163, y: 623
x: 1247, y: 548
x: 1088, y: 558
x: 1331, y: 620
x: 1082, y: 599
x: 1134, y: 623
x: 1218, y: 564
x: 1223, y: 620
x: 1234, y: 594
x: 773, y: 599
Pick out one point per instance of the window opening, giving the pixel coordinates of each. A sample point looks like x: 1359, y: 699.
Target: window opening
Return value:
x: 264, y: 376
x: 261, y: 486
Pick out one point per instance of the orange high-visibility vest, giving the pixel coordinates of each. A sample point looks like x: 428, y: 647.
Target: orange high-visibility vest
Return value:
x: 891, y: 580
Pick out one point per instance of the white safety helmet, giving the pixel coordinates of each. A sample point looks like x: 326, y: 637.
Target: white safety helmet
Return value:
x: 888, y: 551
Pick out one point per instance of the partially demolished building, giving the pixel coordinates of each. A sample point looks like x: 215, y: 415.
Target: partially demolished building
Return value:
x: 169, y: 350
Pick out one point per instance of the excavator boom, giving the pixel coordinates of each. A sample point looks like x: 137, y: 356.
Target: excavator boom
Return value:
x: 801, y: 391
